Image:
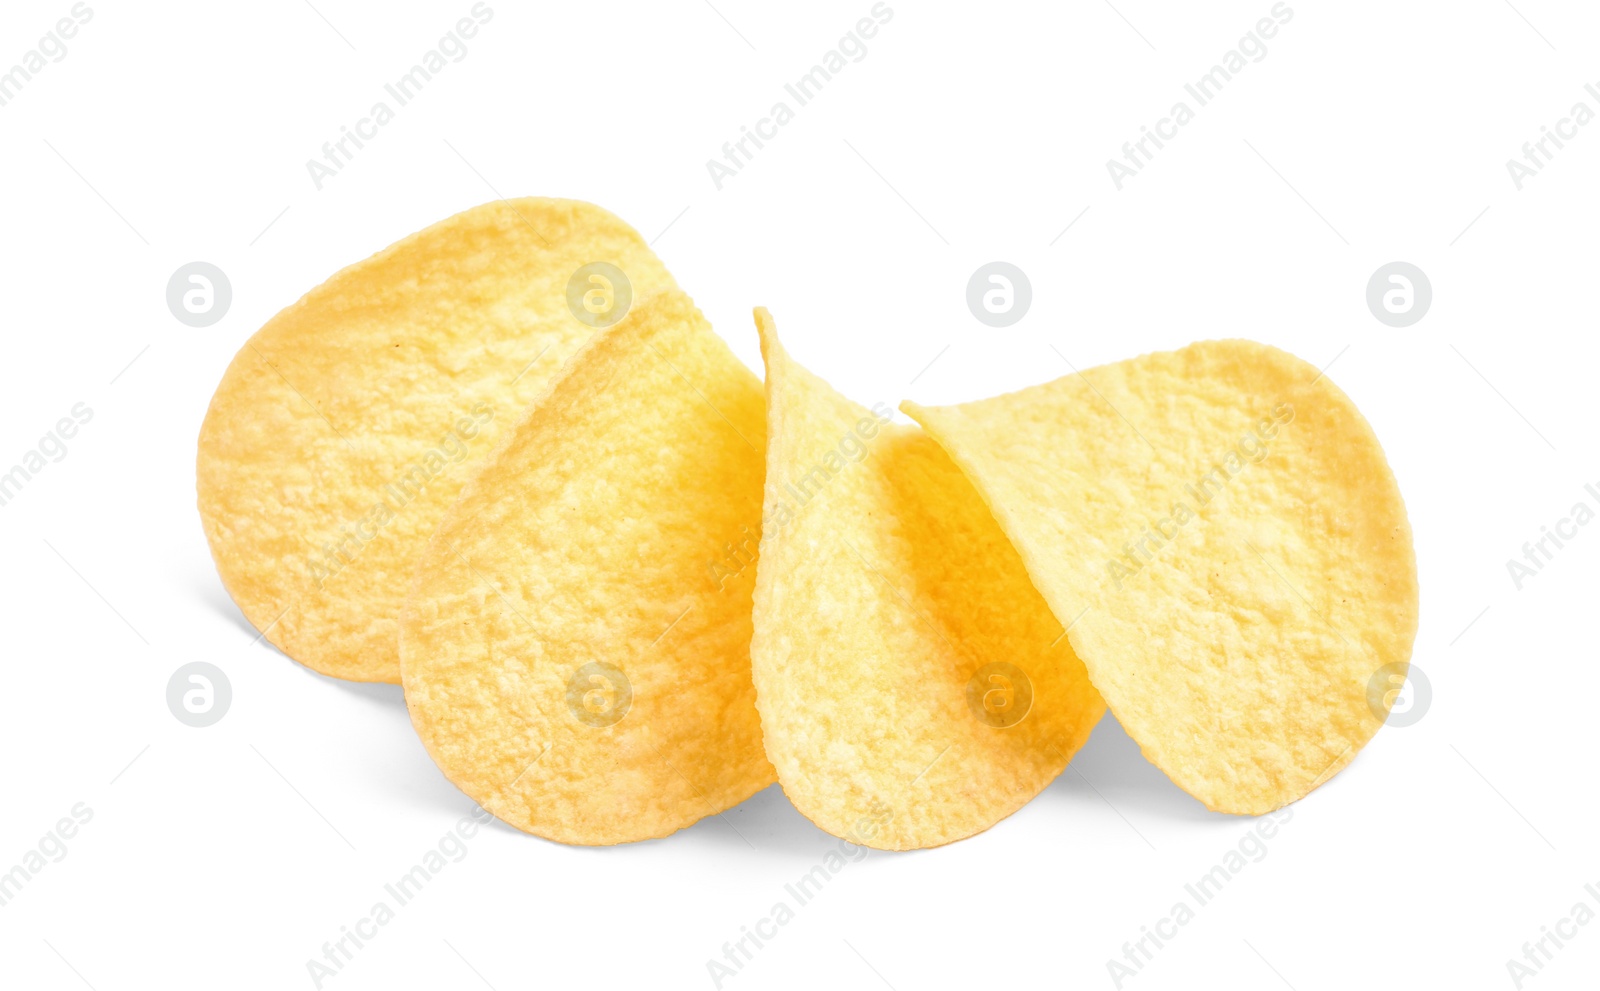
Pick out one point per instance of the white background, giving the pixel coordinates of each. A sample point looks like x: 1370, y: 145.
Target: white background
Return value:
x: 1370, y: 132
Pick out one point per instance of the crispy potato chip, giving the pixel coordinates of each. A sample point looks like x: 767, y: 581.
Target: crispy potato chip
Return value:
x: 1221, y: 531
x: 348, y: 424
x: 914, y: 688
x: 575, y: 651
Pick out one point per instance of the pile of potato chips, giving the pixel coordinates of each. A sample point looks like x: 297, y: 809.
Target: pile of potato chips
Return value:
x: 626, y: 585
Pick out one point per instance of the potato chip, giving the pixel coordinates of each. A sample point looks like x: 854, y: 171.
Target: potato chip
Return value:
x: 1221, y: 532
x: 348, y: 424
x: 914, y: 688
x: 576, y: 648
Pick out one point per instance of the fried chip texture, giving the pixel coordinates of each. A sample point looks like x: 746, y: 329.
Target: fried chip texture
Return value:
x: 914, y: 688
x: 346, y: 426
x: 574, y: 657
x: 1220, y: 529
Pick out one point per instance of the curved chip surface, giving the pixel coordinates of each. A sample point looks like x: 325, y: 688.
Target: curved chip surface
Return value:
x: 914, y: 688
x: 1223, y: 525
x: 347, y: 424
x: 576, y: 649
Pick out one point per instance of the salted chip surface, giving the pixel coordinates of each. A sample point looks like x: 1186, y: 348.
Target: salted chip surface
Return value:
x: 1220, y: 529
x: 346, y: 426
x: 576, y: 647
x: 914, y: 687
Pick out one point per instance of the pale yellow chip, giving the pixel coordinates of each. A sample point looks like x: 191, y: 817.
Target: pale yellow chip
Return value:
x: 576, y: 648
x: 344, y: 428
x: 914, y: 687
x: 1221, y: 530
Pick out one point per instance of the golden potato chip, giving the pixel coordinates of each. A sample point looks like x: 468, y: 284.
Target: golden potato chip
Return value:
x: 914, y: 688
x: 1220, y: 531
x: 575, y: 650
x: 348, y: 424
